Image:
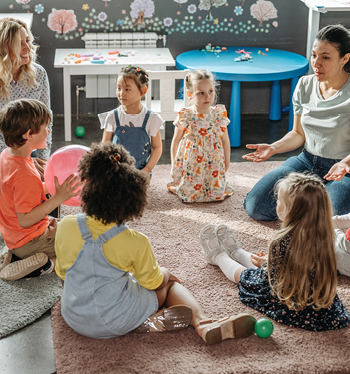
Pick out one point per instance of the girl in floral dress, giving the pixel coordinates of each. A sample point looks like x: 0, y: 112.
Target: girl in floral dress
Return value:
x: 296, y: 283
x: 200, y: 149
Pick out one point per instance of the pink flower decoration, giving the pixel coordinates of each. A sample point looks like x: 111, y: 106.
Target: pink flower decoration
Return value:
x: 275, y: 24
x: 123, y: 11
x: 11, y: 6
x: 199, y: 17
x: 62, y: 21
x: 179, y: 12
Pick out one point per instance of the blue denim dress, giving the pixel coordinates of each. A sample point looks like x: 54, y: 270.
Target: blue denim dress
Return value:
x: 100, y: 300
x: 134, y: 139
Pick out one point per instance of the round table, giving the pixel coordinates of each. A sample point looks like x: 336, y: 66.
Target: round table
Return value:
x: 275, y: 66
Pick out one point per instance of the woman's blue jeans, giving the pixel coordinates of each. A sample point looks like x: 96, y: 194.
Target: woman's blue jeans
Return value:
x: 260, y: 202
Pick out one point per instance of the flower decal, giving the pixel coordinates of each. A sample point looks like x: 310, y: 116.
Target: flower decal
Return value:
x: 192, y: 9
x: 120, y: 22
x: 238, y: 10
x: 85, y: 7
x: 168, y: 21
x: 102, y: 16
x: 39, y: 8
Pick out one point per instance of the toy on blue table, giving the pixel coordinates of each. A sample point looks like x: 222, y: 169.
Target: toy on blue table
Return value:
x: 245, y: 57
x: 217, y: 49
x: 79, y: 131
x: 263, y: 328
x: 62, y: 164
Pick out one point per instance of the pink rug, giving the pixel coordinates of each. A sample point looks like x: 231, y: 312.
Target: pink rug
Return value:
x: 173, y: 230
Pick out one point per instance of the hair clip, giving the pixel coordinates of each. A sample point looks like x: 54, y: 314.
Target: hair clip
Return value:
x: 116, y: 157
x: 138, y: 69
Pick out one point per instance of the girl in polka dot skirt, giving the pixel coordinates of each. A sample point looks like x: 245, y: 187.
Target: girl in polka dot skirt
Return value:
x: 295, y: 284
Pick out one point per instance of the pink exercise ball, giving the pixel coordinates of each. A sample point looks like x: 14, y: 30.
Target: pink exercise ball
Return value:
x: 62, y: 164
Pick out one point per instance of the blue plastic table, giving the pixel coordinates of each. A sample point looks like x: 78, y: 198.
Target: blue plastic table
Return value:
x: 275, y: 66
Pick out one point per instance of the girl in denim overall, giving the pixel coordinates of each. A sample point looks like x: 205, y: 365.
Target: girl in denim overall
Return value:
x: 132, y: 125
x: 112, y: 281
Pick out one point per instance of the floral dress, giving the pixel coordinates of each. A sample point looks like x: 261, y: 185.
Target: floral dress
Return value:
x: 255, y: 291
x: 199, y: 166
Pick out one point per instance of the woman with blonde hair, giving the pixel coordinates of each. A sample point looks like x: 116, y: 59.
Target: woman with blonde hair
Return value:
x: 20, y: 76
x: 296, y: 283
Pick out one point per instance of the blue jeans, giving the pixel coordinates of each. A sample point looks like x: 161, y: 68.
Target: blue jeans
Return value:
x: 260, y: 202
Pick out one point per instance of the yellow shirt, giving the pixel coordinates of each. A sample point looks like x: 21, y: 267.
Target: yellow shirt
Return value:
x: 129, y: 251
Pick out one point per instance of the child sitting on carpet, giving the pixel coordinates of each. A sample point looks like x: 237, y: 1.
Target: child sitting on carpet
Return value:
x: 112, y: 282
x: 132, y: 125
x: 341, y: 226
x: 297, y: 286
x: 24, y: 223
x: 200, y: 149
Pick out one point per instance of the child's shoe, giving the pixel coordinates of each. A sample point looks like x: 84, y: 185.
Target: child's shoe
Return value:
x: 234, y: 327
x: 5, y: 258
x: 227, y: 240
x: 341, y: 222
x: 174, y: 318
x: 22, y: 268
x: 210, y: 244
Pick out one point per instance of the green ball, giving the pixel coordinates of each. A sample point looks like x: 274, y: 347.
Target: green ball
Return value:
x: 263, y: 328
x: 79, y: 131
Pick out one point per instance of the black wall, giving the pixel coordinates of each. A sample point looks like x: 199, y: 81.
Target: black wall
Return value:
x: 193, y: 33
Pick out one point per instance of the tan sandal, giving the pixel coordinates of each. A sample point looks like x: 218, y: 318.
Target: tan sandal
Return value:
x: 174, y: 318
x: 233, y: 327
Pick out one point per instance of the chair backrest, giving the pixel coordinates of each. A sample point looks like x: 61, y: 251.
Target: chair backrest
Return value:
x: 168, y: 105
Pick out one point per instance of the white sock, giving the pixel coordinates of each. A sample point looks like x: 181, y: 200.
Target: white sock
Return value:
x: 243, y: 257
x: 227, y: 265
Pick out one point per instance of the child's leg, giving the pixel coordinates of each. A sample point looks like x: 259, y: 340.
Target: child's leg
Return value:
x: 342, y: 250
x: 231, y: 268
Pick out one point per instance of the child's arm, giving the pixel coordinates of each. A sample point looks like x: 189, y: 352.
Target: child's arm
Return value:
x: 107, y: 136
x: 227, y: 149
x: 178, y: 134
x: 259, y: 259
x: 63, y: 192
x: 157, y: 149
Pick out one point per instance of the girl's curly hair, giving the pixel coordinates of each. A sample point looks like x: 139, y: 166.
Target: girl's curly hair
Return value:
x: 114, y: 190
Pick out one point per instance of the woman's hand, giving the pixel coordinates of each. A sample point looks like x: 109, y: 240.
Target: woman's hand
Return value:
x: 337, y: 171
x: 258, y: 259
x: 262, y: 153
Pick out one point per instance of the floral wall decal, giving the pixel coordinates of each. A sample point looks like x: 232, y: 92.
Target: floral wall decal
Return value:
x: 263, y: 11
x: 62, y: 21
x: 208, y: 4
x: 141, y: 9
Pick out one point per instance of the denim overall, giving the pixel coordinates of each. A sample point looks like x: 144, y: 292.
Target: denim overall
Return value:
x: 98, y: 299
x: 134, y: 139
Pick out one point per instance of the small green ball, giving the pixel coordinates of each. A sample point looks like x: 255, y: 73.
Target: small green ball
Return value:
x: 263, y: 328
x: 79, y: 131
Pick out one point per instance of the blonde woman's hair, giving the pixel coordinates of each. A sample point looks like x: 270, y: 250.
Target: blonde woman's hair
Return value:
x: 307, y: 273
x: 10, y: 40
x: 198, y: 75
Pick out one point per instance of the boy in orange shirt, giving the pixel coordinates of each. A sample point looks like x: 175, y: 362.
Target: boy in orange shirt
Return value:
x: 24, y: 223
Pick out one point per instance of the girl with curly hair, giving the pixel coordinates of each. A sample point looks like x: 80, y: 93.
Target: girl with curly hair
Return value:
x: 112, y: 281
x: 296, y: 283
x: 132, y: 125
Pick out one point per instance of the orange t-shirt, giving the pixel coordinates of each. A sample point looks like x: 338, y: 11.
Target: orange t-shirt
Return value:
x: 21, y: 190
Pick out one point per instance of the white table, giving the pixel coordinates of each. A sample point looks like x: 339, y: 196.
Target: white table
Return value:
x: 315, y: 8
x: 27, y: 18
x: 148, y: 58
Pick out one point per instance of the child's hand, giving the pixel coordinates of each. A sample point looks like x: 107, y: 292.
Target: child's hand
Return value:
x: 258, y: 259
x: 66, y: 190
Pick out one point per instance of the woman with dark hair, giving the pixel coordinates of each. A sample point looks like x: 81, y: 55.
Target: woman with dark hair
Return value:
x: 20, y: 76
x: 321, y: 123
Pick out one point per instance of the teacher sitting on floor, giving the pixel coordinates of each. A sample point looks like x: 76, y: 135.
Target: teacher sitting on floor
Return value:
x: 321, y: 123
x: 20, y: 76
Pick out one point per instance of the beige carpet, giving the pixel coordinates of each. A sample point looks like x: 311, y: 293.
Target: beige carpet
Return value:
x: 173, y: 230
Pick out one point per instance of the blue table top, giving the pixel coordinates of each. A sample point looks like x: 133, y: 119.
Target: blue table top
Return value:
x: 276, y: 65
